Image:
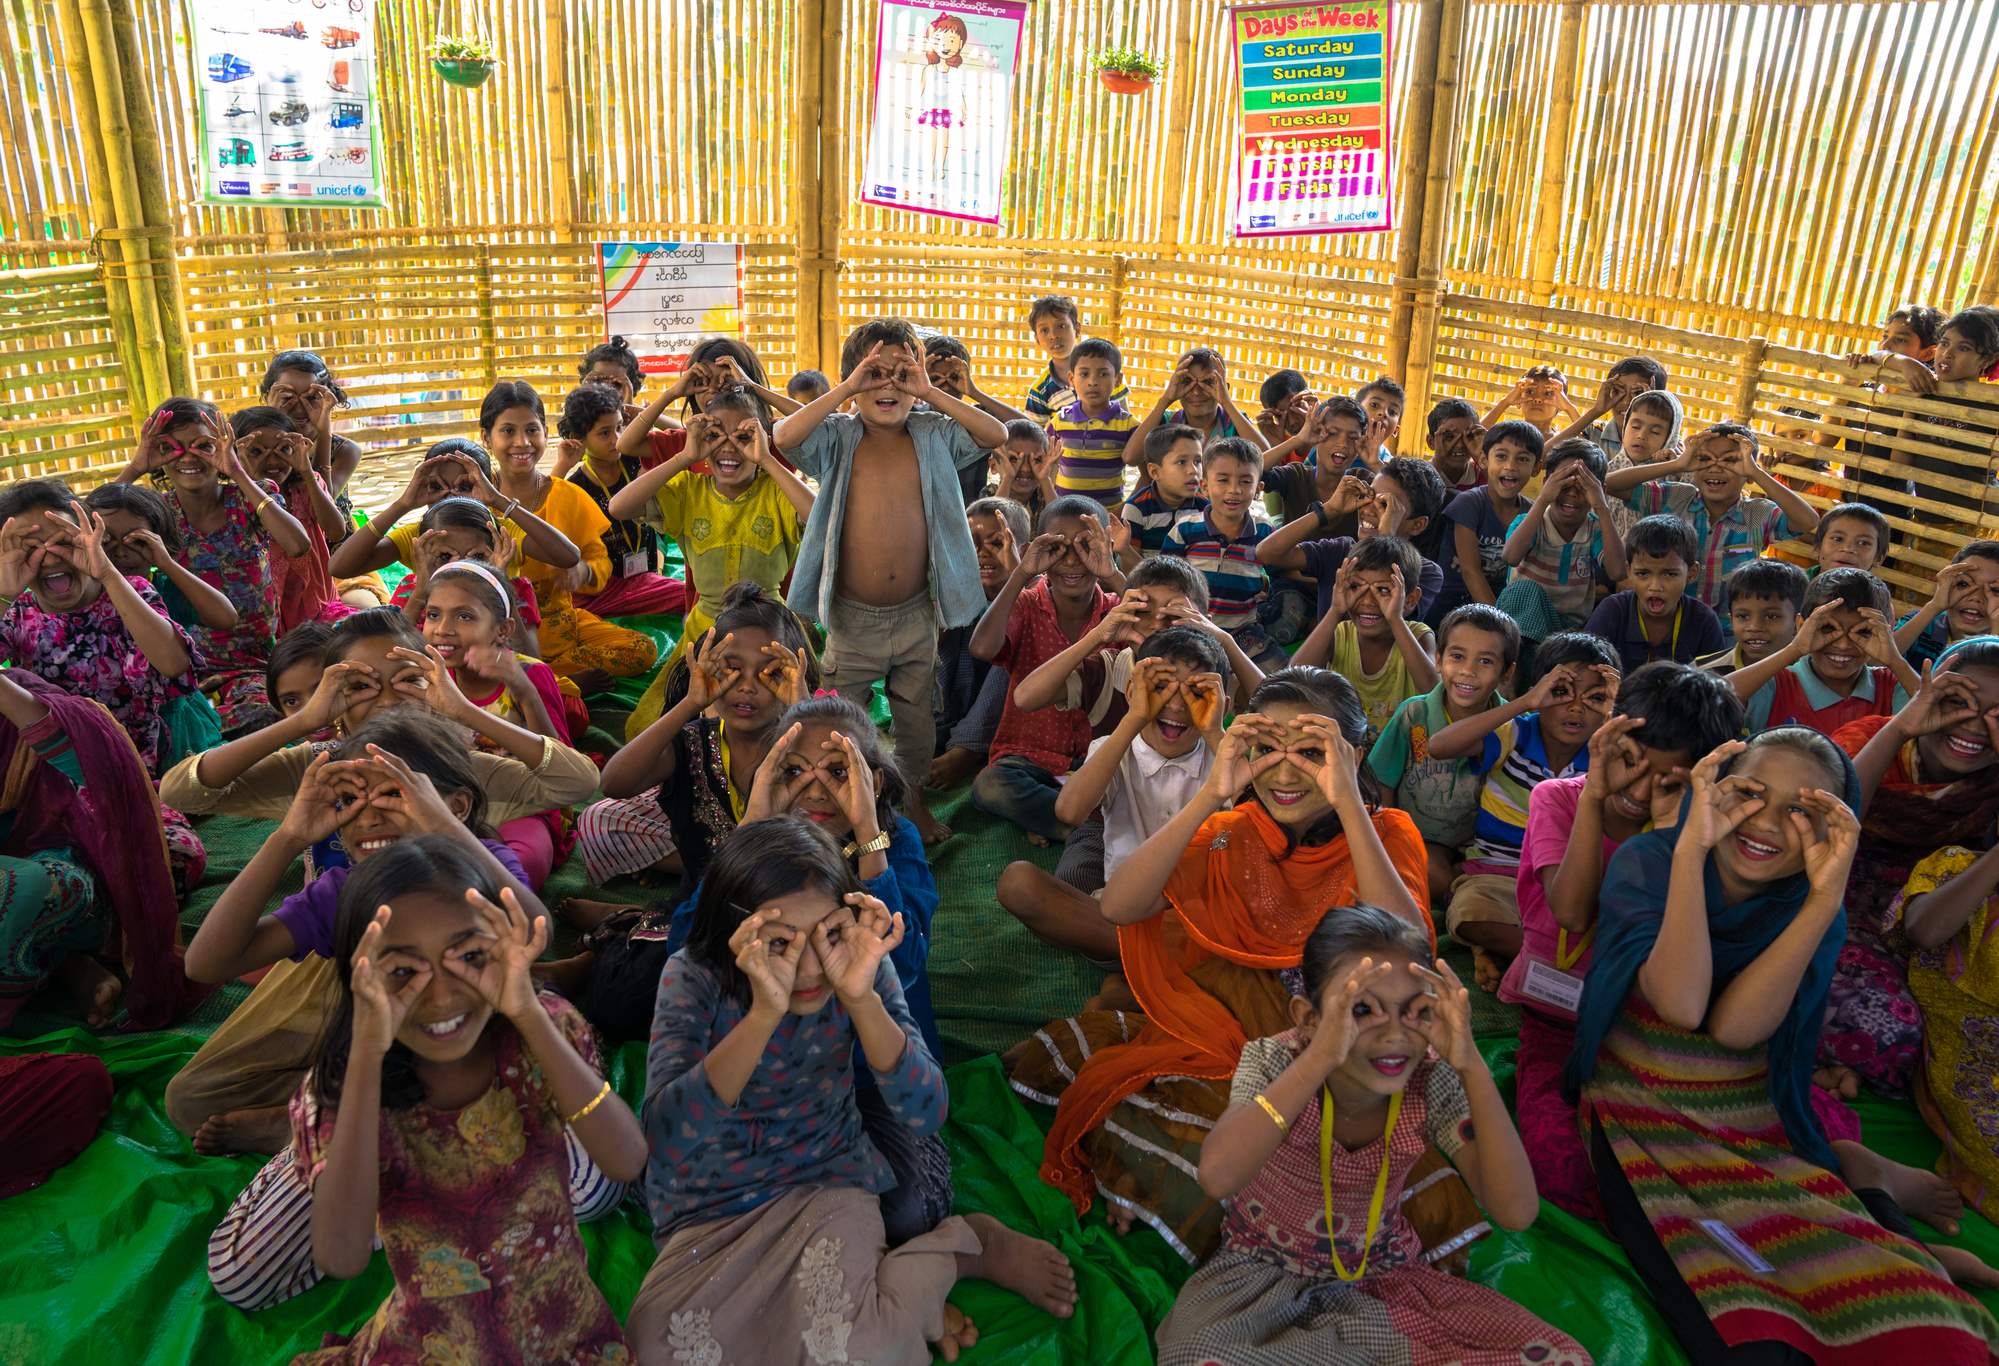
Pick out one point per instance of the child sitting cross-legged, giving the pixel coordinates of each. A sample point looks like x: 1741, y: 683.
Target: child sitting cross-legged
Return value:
x: 1474, y: 550
x: 1131, y: 783
x: 1050, y: 601
x: 1171, y: 490
x: 1841, y: 665
x: 1317, y: 1248
x: 1403, y: 498
x: 1656, y: 618
x: 1730, y: 529
x: 1562, y: 546
x: 1477, y: 647
x: 759, y: 1156
x: 1515, y: 747
x: 1957, y: 609
x: 1368, y: 636
x: 971, y: 694
x: 437, y: 1115
x: 1852, y: 536
x: 1764, y: 599
x: 1221, y: 543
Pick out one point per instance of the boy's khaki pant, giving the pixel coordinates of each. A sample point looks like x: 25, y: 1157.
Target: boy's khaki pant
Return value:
x: 897, y: 645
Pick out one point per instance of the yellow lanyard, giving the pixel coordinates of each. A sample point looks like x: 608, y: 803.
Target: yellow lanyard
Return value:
x: 1563, y: 958
x: 1380, y: 1182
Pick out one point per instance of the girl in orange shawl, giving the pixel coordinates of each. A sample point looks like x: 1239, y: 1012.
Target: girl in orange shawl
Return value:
x: 1212, y: 915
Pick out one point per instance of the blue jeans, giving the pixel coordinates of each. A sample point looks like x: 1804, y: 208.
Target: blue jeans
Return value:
x: 1018, y: 790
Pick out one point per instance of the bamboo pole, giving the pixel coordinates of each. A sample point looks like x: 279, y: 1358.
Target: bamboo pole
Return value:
x: 155, y: 203
x: 104, y: 88
x: 808, y: 180
x: 1548, y: 215
x: 97, y: 180
x: 1420, y: 107
x: 1433, y: 209
x: 1749, y: 377
x: 833, y: 169
x: 1174, y: 161
x: 555, y: 89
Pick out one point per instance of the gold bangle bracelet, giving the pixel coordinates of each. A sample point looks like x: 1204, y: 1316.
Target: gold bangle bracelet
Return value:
x: 584, y: 1113
x: 1283, y: 1124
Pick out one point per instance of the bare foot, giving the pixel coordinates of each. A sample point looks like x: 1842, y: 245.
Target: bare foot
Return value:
x: 1120, y: 1218
x: 928, y: 826
x: 1923, y: 1194
x: 1038, y: 841
x: 1486, y: 970
x: 1116, y: 994
x: 959, y: 1333
x: 592, y: 680
x: 244, y: 1131
x: 953, y: 768
x: 1966, y: 1268
x: 1029, y: 1267
x: 92, y: 986
x: 586, y: 914
x: 1842, y: 1081
x: 566, y: 975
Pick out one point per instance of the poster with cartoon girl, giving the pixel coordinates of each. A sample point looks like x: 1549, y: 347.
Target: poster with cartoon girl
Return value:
x: 944, y: 74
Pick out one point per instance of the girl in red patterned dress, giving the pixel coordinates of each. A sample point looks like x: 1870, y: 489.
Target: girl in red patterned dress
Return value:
x: 436, y: 1112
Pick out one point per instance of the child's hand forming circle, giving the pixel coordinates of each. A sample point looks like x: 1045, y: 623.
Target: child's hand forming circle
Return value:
x: 499, y: 965
x: 854, y: 790
x: 1151, y: 687
x: 1337, y: 1030
x: 1204, y: 693
x: 771, y: 971
x: 1718, y: 805
x: 1448, y: 1025
x: 708, y: 678
x: 1827, y: 859
x: 851, y: 960
x: 383, y: 999
x: 784, y: 676
x: 770, y: 793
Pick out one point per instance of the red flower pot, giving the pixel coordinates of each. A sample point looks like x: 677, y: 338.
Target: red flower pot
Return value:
x: 1124, y: 83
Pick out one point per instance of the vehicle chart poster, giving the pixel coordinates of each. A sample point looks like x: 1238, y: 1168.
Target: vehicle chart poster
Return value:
x: 1314, y: 83
x: 944, y: 74
x: 663, y: 297
x: 287, y: 102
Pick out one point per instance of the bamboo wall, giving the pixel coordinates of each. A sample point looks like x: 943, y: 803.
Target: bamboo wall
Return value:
x: 1734, y: 187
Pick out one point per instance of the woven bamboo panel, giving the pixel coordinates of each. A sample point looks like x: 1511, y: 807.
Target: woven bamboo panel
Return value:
x: 63, y: 404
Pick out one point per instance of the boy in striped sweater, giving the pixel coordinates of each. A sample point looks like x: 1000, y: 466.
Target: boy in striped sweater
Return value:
x: 1090, y: 434
x: 1221, y: 544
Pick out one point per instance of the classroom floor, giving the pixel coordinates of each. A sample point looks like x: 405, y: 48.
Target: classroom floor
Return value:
x: 107, y: 1261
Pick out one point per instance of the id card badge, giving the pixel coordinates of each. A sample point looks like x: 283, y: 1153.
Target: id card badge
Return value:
x: 632, y: 565
x: 1551, y: 986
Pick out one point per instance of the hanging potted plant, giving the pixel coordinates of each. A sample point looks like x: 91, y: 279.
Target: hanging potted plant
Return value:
x: 1126, y: 70
x: 466, y: 61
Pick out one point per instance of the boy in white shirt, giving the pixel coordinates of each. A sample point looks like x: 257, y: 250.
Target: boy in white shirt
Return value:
x: 1130, y: 785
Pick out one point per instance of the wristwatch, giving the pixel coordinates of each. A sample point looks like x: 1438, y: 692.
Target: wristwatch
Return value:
x: 874, y: 846
x: 1319, y: 511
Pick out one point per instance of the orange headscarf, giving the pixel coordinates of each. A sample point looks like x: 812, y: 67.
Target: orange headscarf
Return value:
x: 1240, y: 893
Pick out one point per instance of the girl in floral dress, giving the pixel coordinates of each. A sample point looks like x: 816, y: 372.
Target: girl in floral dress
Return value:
x: 229, y: 525
x: 1325, y: 1124
x: 763, y: 1184
x: 435, y: 1113
x: 69, y: 616
x: 277, y: 453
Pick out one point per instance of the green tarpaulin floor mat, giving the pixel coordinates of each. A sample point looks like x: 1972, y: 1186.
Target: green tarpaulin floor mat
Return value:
x: 108, y: 1260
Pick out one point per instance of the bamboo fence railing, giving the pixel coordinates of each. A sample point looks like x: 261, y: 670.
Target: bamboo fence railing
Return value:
x: 1741, y: 188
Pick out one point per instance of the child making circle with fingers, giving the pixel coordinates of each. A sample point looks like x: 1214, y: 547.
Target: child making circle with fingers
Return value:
x: 73, y: 619
x: 436, y: 1112
x: 230, y: 527
x: 1325, y: 1125
x: 466, y: 613
x: 1694, y: 1052
x: 1210, y: 913
x: 683, y: 782
x: 758, y: 1154
x: 275, y: 451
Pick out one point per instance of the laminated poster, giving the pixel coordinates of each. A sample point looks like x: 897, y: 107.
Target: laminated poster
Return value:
x: 1314, y: 83
x: 287, y: 102
x: 663, y: 297
x: 944, y: 75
